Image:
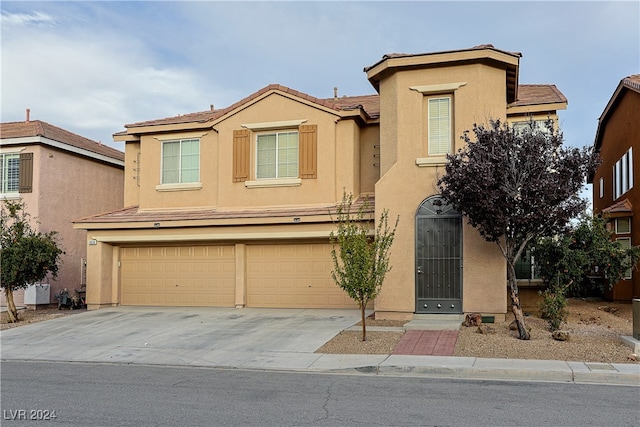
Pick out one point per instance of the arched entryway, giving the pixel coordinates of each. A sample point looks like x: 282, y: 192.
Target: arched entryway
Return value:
x: 438, y: 258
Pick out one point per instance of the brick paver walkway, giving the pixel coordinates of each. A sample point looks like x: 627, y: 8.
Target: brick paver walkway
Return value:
x: 430, y: 343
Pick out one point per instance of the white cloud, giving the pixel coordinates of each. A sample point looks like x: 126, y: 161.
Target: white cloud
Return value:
x: 91, y: 82
x: 92, y: 67
x: 8, y: 18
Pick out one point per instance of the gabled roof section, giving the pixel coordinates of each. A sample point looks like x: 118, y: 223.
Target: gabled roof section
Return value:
x: 485, y: 52
x: 369, y: 105
x: 23, y: 132
x: 621, y: 208
x: 538, y: 94
x: 630, y: 83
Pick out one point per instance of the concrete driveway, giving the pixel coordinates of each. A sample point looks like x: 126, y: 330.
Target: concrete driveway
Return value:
x: 224, y: 337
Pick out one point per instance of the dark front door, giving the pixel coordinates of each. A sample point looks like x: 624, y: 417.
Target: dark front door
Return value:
x: 438, y: 258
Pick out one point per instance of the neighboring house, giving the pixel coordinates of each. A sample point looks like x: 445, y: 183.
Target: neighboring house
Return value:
x: 59, y: 175
x: 614, y: 195
x: 231, y: 207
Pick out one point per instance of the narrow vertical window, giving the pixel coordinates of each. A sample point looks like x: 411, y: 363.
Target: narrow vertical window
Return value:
x: 625, y: 243
x: 630, y: 167
x: 601, y: 187
x: 439, y: 123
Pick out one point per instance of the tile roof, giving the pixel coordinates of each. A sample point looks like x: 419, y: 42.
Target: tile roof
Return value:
x: 408, y: 55
x: 623, y: 206
x: 632, y: 82
x: 133, y: 214
x: 370, y: 104
x: 34, y: 128
x: 538, y: 94
x: 628, y: 83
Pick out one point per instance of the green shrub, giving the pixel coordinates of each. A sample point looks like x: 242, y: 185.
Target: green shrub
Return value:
x: 554, y: 307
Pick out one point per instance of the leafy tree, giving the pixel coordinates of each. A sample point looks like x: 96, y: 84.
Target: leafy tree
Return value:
x: 578, y: 259
x: 515, y: 186
x: 360, y: 260
x: 26, y: 256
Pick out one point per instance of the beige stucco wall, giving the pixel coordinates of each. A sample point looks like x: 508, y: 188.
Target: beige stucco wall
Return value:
x: 132, y: 179
x: 369, y: 157
x: 404, y: 185
x: 67, y: 187
x: 339, y: 162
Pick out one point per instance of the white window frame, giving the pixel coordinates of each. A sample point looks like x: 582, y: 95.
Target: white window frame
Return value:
x: 618, y: 228
x: 623, y: 174
x: 601, y: 187
x: 629, y: 273
x: 180, y: 166
x: 539, y: 125
x: 277, y: 176
x: 4, y: 179
x: 431, y: 151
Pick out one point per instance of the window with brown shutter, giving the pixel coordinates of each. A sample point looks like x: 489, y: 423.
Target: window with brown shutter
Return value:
x: 26, y: 173
x: 308, y: 151
x: 241, y: 155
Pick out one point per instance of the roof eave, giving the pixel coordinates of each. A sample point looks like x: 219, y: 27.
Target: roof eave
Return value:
x: 602, y: 120
x: 387, y: 64
x: 537, y: 108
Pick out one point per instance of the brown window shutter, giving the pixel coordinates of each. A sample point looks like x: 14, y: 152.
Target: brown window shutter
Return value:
x: 241, y: 156
x: 26, y: 173
x: 308, y: 151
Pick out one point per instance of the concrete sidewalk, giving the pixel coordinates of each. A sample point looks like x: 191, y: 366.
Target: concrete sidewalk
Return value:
x: 263, y: 339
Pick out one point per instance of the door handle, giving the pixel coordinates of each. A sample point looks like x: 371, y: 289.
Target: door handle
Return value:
x: 420, y: 270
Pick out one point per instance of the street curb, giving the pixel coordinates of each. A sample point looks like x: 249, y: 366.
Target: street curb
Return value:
x: 569, y: 375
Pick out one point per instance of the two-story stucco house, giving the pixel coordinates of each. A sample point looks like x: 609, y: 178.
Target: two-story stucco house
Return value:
x: 614, y: 194
x: 231, y: 207
x: 59, y: 175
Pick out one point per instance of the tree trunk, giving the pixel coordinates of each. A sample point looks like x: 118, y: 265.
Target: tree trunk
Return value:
x: 12, y: 311
x: 364, y: 327
x: 515, y: 303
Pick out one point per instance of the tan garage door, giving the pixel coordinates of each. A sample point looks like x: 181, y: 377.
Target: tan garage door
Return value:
x: 293, y: 276
x: 178, y: 276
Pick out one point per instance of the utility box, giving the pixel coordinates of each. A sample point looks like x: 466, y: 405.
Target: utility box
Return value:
x: 636, y: 318
x: 37, y: 294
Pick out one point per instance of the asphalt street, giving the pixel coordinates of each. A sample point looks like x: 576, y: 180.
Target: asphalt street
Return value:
x: 83, y: 394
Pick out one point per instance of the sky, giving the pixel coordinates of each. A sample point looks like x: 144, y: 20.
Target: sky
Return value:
x: 92, y: 67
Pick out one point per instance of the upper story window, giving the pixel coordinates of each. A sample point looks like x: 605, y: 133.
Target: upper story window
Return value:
x: 538, y: 125
x: 623, y: 174
x: 439, y: 123
x: 601, y: 187
x: 10, y: 173
x: 16, y: 174
x: 277, y: 155
x: 181, y: 161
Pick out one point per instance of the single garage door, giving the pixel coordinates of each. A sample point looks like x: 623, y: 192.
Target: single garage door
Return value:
x: 293, y: 276
x: 178, y: 276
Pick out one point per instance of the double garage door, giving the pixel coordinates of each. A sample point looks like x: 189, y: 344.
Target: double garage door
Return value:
x: 277, y: 276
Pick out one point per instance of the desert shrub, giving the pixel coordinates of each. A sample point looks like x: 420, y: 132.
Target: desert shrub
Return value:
x: 554, y: 307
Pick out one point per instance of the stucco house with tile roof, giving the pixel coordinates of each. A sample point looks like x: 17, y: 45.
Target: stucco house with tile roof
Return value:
x: 233, y: 207
x: 59, y: 175
x: 614, y: 194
